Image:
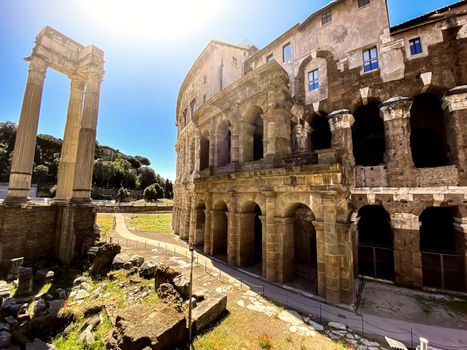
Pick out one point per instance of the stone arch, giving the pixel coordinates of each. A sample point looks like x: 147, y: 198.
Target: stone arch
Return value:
x: 252, y: 147
x: 443, y: 255
x: 368, y: 137
x: 220, y: 229
x: 428, y: 138
x: 251, y: 235
x: 224, y: 143
x: 300, y: 265
x: 286, y: 203
x: 375, y: 242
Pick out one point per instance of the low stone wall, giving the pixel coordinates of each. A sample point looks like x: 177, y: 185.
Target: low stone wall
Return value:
x: 148, y: 209
x: 34, y: 231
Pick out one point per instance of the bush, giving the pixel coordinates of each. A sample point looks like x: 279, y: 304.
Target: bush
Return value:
x: 153, y: 192
x: 123, y: 194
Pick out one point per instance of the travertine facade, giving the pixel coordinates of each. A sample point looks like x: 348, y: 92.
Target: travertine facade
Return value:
x: 65, y: 226
x: 336, y: 151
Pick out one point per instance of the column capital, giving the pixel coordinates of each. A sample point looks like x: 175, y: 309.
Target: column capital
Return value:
x: 286, y: 220
x: 396, y: 108
x: 342, y: 119
x: 456, y: 99
x: 77, y: 82
x: 37, y: 64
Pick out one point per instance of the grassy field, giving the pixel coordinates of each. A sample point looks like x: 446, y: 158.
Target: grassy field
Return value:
x: 152, y: 222
x: 105, y: 222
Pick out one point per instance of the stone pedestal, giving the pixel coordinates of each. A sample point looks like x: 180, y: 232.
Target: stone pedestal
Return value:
x: 25, y: 143
x: 25, y: 281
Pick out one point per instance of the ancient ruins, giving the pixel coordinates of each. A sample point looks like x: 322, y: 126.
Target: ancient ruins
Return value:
x: 337, y: 150
x: 63, y: 229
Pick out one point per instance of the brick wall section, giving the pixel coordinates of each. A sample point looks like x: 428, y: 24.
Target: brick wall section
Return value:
x: 30, y: 230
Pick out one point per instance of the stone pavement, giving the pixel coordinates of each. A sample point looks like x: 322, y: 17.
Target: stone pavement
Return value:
x: 405, y: 331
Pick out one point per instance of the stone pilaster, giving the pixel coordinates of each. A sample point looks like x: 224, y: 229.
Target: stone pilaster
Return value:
x: 25, y: 143
x: 277, y: 140
x: 193, y: 220
x: 271, y: 239
x: 455, y: 102
x: 66, y: 169
x: 246, y: 142
x: 286, y: 266
x: 407, y: 255
x: 235, y: 145
x: 197, y: 152
x: 340, y: 123
x: 186, y: 219
x: 320, y: 257
x: 87, y: 138
x: 208, y: 228
x: 219, y: 234
x: 400, y: 167
x: 232, y: 239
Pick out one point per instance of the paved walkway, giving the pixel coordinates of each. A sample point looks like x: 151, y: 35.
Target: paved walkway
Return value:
x: 406, y: 331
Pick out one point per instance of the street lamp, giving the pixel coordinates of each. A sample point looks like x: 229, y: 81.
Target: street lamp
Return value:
x: 190, y: 305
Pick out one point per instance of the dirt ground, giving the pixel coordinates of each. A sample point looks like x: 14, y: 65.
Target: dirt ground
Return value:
x: 418, y: 306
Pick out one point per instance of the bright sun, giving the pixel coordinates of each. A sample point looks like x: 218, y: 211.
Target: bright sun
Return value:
x: 152, y: 18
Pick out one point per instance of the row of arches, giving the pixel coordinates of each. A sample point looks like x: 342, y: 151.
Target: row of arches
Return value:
x: 441, y: 247
x: 302, y: 263
x: 428, y: 137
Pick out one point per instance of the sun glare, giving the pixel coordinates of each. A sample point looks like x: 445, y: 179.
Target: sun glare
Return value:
x: 152, y: 18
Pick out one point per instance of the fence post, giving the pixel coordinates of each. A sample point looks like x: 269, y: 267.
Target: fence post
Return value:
x: 320, y: 315
x: 411, y: 337
x: 363, y: 330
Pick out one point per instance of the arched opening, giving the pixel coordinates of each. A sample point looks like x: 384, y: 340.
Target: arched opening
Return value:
x: 220, y: 230
x: 204, y: 152
x: 258, y: 138
x: 375, y: 243
x: 200, y: 224
x: 368, y: 140
x: 224, y: 143
x: 320, y: 137
x: 305, y: 259
x: 251, y: 240
x: 442, y: 249
x: 428, y: 132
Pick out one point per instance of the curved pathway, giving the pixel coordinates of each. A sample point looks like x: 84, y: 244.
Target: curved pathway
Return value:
x: 406, y: 331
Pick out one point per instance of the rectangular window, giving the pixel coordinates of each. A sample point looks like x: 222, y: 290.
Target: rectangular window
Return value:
x: 269, y: 57
x: 327, y: 18
x: 313, y: 81
x: 415, y: 46
x: 286, y: 53
x: 370, y: 59
x: 362, y: 3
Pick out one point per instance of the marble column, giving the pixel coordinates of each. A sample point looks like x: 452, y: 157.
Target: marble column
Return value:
x: 66, y: 170
x: 87, y: 139
x: 456, y: 104
x: 23, y: 155
x: 400, y: 168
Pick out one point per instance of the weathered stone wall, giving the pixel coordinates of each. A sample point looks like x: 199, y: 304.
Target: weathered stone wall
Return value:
x: 31, y: 230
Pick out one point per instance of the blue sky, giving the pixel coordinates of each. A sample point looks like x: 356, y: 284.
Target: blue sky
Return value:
x: 149, y: 46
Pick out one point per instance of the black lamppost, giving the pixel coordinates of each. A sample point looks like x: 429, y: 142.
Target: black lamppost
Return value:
x: 190, y: 304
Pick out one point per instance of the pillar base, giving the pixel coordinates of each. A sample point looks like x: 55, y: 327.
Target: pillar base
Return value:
x: 16, y: 201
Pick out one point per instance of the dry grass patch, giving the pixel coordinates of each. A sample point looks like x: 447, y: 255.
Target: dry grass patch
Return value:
x: 152, y: 222
x: 105, y: 223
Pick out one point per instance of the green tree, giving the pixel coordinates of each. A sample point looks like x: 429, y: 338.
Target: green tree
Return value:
x: 150, y: 193
x: 147, y: 176
x: 168, y: 189
x: 40, y: 172
x: 122, y: 194
x: 143, y: 160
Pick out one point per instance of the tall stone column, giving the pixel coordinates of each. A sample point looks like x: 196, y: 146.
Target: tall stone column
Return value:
x: 186, y: 219
x: 87, y: 138
x: 456, y: 104
x: 66, y: 170
x: 193, y: 220
x: 400, y: 168
x: 320, y: 258
x: 246, y: 142
x: 340, y: 123
x: 23, y: 155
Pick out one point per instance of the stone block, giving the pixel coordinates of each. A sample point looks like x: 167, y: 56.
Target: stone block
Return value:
x: 208, y: 311
x: 13, y: 268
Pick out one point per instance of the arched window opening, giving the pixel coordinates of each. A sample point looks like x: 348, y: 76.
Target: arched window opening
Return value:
x: 224, y: 144
x: 375, y: 243
x: 368, y: 140
x: 428, y: 132
x: 442, y: 249
x: 258, y: 139
x: 204, y: 152
x: 320, y: 137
